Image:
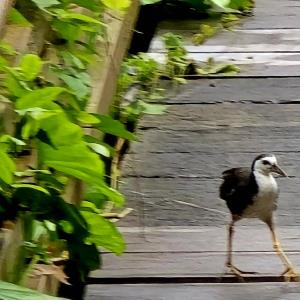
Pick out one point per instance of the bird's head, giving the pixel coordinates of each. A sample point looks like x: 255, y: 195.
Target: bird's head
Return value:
x: 266, y: 164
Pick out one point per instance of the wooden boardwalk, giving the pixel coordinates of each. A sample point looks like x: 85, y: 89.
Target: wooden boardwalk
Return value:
x: 176, y: 236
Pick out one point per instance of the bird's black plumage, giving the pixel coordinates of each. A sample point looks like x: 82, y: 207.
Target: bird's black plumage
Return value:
x: 238, y: 189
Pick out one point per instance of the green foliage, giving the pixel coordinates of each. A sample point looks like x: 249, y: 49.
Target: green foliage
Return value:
x: 145, y: 2
x: 211, y: 67
x: 7, y: 168
x: 50, y: 103
x: 108, y: 237
x: 42, y: 4
x: 206, y: 31
x: 17, y: 18
x: 10, y: 291
x: 109, y: 125
x: 210, y: 5
x: 31, y: 66
x: 177, y: 60
x: 138, y: 88
x: 117, y: 4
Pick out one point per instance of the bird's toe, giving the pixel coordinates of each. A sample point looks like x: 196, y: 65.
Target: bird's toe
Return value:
x: 290, y: 275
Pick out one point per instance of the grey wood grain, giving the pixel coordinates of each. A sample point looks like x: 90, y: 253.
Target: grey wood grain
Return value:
x: 221, y: 116
x: 246, y: 140
x: 259, y: 291
x: 238, y: 90
x: 186, y: 264
x: 182, y: 155
x: 195, y: 202
x: 206, y: 239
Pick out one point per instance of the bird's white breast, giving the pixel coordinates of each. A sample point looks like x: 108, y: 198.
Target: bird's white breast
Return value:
x: 265, y: 201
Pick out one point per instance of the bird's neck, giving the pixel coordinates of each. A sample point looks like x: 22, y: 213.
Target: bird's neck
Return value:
x: 262, y: 173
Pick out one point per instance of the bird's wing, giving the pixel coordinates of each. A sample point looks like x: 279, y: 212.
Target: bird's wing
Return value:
x: 233, y: 179
x: 237, y: 189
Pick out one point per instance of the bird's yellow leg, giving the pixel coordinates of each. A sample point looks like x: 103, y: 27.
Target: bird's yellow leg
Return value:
x: 230, y: 267
x: 289, y: 274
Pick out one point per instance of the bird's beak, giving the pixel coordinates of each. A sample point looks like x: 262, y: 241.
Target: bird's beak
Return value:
x: 278, y: 170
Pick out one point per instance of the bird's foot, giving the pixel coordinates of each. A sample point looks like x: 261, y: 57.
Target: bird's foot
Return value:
x: 290, y: 275
x: 231, y: 269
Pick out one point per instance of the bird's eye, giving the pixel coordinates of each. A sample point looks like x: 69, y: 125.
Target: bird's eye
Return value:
x: 265, y: 162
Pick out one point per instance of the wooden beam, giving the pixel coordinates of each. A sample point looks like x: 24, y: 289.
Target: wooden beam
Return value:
x: 4, y: 9
x: 106, y: 73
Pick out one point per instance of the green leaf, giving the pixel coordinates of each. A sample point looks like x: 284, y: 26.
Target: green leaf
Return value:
x: 7, y: 48
x: 207, y: 30
x: 42, y: 4
x: 31, y: 66
x: 92, y: 194
x: 7, y: 168
x: 113, y: 195
x: 66, y: 30
x: 100, y: 149
x: 16, y: 17
x: 79, y: 88
x: 103, y: 233
x: 14, y: 86
x: 50, y: 225
x: 117, y: 4
x: 91, y: 4
x: 72, y: 60
x: 30, y: 186
x: 114, y: 127
x: 31, y: 173
x: 71, y: 133
x: 241, y: 4
x: 66, y: 226
x: 86, y: 118
x: 153, y: 109
x: 38, y: 113
x: 75, y: 160
x: 3, y: 63
x: 9, y: 291
x: 39, y: 98
x: 63, y: 14
x: 6, y: 138
x: 99, y: 195
x: 30, y: 128
x: 145, y: 2
x: 89, y: 206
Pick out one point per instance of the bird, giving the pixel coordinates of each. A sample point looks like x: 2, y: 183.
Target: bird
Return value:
x: 253, y: 193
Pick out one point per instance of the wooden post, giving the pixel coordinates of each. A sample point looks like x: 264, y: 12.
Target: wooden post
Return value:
x: 105, y: 75
x: 4, y: 9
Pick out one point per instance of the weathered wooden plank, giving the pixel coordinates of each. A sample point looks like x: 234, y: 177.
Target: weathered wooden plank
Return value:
x: 228, y: 140
x: 246, y: 291
x: 252, y: 64
x: 255, y: 90
x: 182, y: 156
x: 257, y: 40
x: 195, y: 202
x: 228, y: 115
x: 274, y: 14
x: 185, y: 264
x: 202, y: 165
x: 202, y: 239
x: 268, y: 14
